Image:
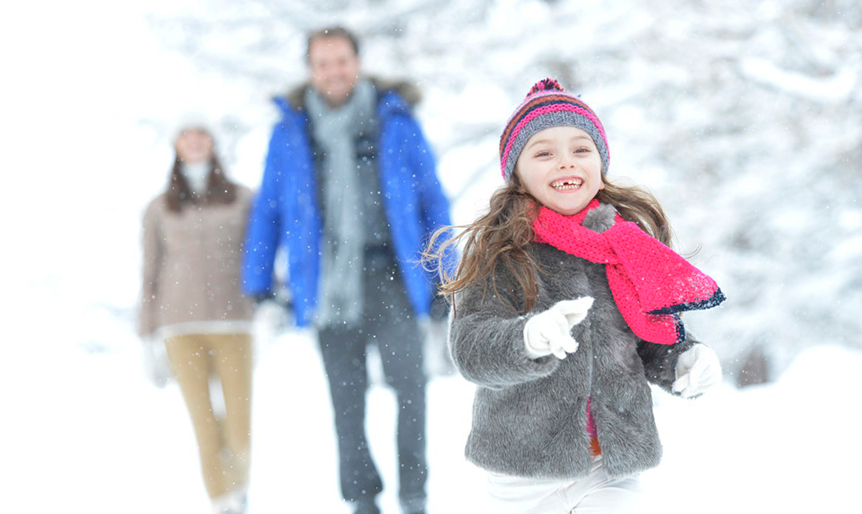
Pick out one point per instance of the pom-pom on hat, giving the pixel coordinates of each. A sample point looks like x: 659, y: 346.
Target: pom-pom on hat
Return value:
x: 548, y: 105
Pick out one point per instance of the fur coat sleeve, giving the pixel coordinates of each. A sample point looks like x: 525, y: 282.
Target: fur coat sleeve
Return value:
x: 487, y: 343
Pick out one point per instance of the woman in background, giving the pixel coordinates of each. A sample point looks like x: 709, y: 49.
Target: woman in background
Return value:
x: 193, y: 234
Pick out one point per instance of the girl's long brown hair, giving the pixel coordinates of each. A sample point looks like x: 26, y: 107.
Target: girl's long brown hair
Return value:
x: 502, y: 235
x: 220, y: 190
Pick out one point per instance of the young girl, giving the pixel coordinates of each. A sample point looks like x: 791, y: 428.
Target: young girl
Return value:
x: 193, y: 242
x: 565, y: 306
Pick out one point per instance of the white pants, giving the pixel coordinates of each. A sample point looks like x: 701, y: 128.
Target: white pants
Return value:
x: 592, y: 494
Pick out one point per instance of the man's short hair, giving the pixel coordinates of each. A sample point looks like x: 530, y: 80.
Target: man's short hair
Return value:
x: 336, y: 31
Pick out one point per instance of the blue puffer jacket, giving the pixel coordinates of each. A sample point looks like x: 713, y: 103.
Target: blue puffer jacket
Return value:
x: 285, y: 210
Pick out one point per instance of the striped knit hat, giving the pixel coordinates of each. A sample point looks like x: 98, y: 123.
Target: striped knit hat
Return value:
x: 548, y: 105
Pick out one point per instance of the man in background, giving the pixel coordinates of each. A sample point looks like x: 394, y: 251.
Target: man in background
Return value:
x: 350, y: 191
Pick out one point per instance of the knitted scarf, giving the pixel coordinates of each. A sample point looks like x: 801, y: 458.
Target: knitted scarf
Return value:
x: 650, y: 283
x: 335, y: 130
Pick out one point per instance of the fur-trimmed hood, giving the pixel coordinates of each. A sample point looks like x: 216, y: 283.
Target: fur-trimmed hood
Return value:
x: 408, y: 92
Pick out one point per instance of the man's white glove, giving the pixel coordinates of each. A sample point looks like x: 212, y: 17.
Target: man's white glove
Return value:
x: 550, y: 331
x: 697, y: 370
x: 436, y: 336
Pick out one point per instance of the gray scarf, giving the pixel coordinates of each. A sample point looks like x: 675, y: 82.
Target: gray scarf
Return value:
x: 335, y: 130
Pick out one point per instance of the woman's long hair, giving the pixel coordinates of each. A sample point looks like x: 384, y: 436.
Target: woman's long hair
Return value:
x: 220, y: 190
x: 501, y: 238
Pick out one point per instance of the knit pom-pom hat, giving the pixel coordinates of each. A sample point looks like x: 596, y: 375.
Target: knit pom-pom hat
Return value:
x: 548, y: 105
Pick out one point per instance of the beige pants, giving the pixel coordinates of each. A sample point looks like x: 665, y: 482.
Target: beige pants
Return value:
x: 224, y: 444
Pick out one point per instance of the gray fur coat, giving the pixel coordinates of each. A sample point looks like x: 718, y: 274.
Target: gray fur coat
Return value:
x: 529, y: 415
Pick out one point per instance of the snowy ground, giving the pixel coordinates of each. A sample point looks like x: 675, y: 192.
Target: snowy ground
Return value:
x: 87, y: 431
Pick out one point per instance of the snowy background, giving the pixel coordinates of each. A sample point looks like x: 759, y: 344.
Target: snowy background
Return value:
x: 744, y: 118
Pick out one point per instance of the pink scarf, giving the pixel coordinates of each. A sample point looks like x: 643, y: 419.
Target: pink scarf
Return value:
x: 650, y: 283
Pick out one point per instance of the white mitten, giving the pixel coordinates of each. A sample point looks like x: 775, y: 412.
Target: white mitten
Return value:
x: 155, y: 361
x: 550, y: 332
x: 697, y: 370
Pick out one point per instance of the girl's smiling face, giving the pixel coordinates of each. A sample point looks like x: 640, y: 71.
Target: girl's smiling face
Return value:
x: 561, y: 167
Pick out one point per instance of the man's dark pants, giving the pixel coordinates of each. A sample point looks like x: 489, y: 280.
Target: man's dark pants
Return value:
x: 388, y: 321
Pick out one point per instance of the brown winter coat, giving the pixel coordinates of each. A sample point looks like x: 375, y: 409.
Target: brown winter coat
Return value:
x: 192, y: 262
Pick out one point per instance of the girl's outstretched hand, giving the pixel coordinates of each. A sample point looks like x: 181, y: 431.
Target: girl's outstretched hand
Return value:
x: 697, y: 370
x: 550, y: 332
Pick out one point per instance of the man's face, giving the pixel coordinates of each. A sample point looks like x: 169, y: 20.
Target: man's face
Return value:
x: 334, y: 68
